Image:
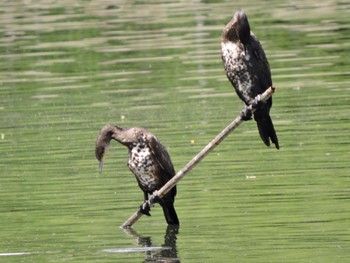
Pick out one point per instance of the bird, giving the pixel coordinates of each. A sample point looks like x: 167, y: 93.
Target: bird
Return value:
x: 148, y: 160
x: 248, y: 70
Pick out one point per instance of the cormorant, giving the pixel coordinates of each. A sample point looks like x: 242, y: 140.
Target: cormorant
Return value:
x: 148, y: 160
x: 248, y: 70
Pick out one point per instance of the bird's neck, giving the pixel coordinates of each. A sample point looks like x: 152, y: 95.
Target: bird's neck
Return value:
x: 119, y: 134
x: 230, y: 33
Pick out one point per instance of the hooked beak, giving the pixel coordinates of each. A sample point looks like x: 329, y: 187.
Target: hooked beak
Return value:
x: 100, y: 166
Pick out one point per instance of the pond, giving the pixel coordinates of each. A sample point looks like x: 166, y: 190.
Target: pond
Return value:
x: 70, y: 67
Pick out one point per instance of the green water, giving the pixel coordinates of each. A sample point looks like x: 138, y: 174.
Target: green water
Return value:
x: 70, y: 67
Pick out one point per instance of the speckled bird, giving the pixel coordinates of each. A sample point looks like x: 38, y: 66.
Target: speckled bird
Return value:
x: 248, y: 71
x: 148, y: 160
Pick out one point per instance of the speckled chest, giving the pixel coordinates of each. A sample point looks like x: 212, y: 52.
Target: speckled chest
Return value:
x: 142, y: 165
x: 238, y: 65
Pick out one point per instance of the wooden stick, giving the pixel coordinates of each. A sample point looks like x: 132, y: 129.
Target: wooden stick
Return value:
x: 216, y: 141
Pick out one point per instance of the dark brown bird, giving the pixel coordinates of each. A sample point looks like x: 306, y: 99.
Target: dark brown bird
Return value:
x: 148, y: 161
x: 248, y: 70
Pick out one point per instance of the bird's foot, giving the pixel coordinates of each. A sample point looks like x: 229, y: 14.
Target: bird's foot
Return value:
x: 257, y: 102
x: 155, y: 198
x: 145, y: 208
x: 246, y: 114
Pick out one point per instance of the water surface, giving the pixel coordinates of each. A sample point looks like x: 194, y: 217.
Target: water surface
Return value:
x: 69, y: 67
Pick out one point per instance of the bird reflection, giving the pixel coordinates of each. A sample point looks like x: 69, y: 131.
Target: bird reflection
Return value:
x: 166, y: 253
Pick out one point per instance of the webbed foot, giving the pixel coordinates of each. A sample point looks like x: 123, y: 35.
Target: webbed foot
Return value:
x: 145, y: 208
x: 155, y: 198
x: 246, y: 114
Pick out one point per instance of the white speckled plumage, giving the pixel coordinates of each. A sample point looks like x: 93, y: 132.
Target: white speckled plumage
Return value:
x: 237, y: 62
x: 248, y: 70
x: 142, y: 166
x: 148, y: 161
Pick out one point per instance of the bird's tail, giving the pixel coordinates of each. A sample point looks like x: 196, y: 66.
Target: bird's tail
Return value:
x: 265, y: 126
x: 169, y: 211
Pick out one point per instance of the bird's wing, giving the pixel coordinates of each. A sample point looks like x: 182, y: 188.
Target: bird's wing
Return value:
x: 161, y: 156
x: 263, y: 63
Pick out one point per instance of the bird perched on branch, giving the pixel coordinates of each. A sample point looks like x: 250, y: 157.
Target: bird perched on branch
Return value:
x: 248, y: 70
x: 148, y: 161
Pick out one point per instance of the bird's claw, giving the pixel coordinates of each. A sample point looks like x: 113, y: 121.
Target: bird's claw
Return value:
x: 257, y: 102
x: 145, y: 208
x: 155, y: 197
x: 246, y: 114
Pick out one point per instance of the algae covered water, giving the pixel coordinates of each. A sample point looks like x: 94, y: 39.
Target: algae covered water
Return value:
x: 70, y: 67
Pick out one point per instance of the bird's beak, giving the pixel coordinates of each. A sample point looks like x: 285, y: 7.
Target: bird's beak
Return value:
x: 244, y: 49
x: 100, y: 167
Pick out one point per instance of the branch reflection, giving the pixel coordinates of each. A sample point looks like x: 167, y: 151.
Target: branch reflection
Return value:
x: 166, y: 253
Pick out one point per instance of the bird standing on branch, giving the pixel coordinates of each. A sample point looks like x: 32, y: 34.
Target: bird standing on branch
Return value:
x: 148, y: 161
x: 248, y: 70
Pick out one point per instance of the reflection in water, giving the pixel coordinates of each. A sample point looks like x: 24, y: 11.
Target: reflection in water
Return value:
x: 69, y: 66
x: 166, y: 253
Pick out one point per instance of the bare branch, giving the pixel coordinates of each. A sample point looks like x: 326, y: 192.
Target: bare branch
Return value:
x: 216, y: 141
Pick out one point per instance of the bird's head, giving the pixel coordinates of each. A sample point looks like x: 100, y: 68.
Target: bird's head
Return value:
x: 241, y: 24
x: 107, y: 133
x: 100, y: 152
